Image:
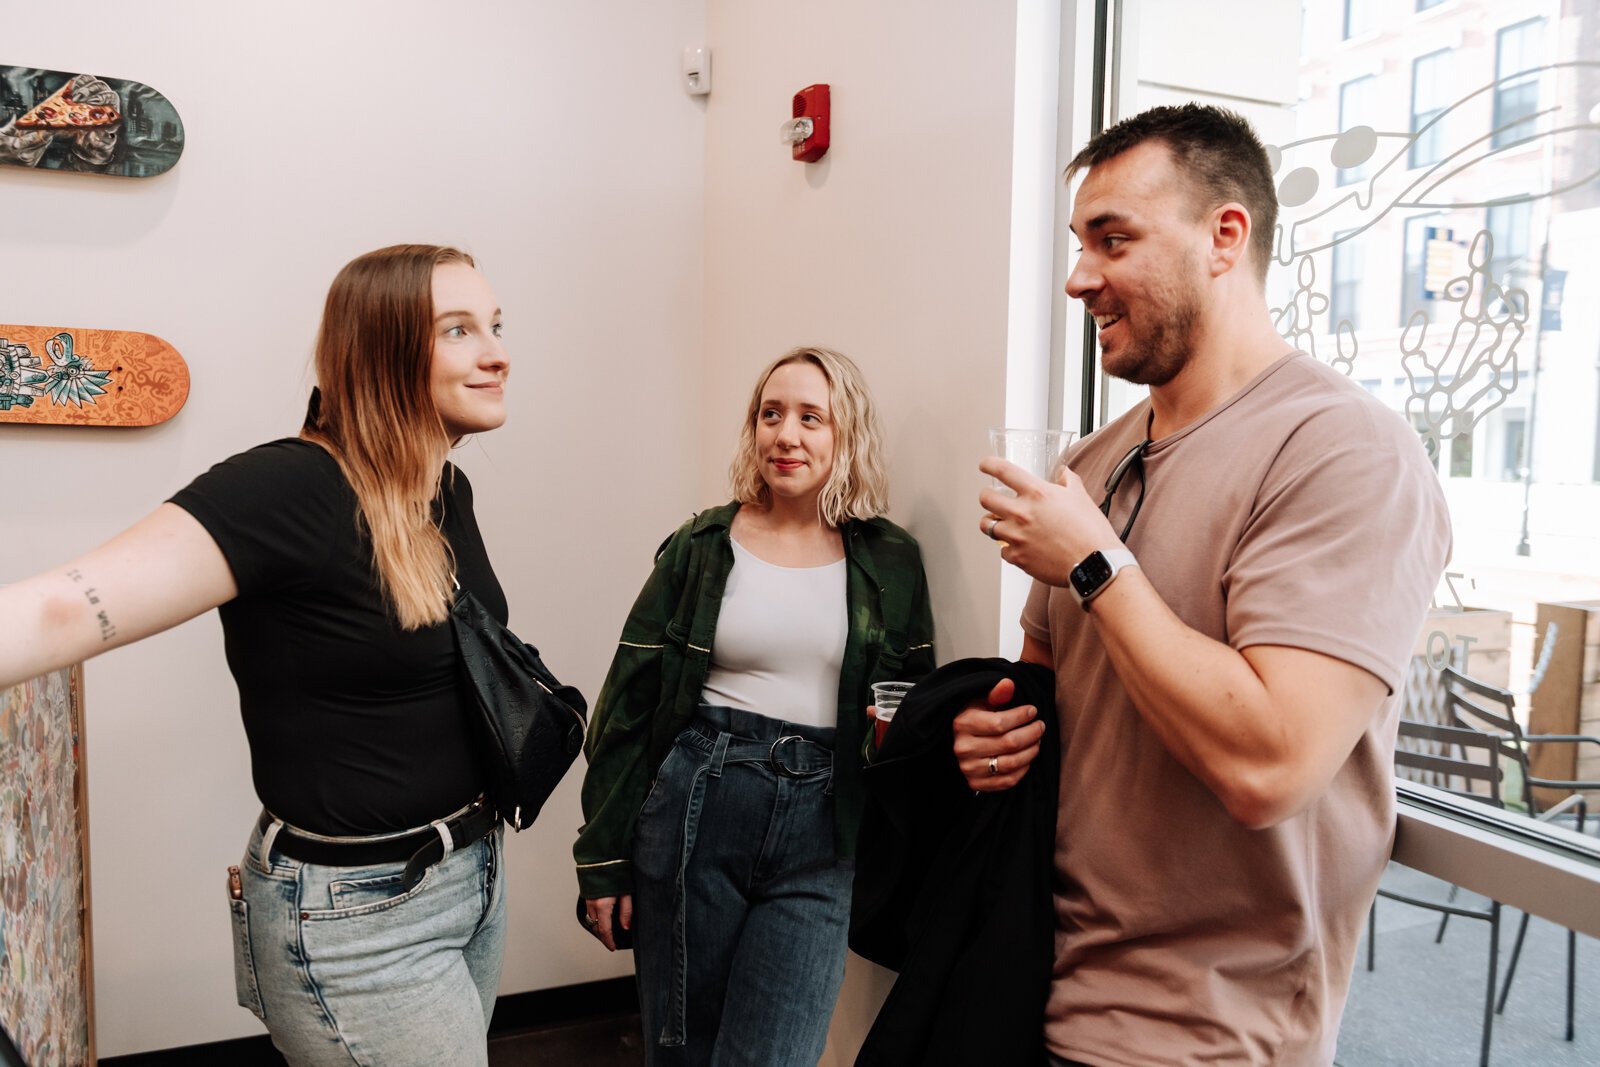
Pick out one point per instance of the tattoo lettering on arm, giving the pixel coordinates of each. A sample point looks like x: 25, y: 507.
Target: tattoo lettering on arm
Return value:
x: 108, y: 629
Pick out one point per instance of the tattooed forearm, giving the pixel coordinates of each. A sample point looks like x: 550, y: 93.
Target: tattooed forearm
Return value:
x: 108, y: 629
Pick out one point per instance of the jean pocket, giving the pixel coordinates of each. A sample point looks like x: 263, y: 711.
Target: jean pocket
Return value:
x: 352, y: 897
x: 658, y: 792
x: 246, y: 990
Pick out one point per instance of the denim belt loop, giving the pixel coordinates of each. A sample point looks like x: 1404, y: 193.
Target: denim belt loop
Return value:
x: 719, y: 754
x: 268, y: 836
x: 444, y: 835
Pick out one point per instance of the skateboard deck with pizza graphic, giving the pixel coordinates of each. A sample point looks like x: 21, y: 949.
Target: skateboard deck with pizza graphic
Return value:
x: 69, y: 377
x: 55, y: 120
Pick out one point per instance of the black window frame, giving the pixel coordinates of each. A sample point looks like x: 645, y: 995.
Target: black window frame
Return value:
x: 1341, y: 291
x: 1434, y: 139
x: 1414, y: 265
x: 1351, y: 175
x: 1513, y: 119
x: 1369, y: 7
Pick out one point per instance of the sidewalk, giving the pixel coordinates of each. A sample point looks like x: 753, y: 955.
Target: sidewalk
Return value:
x: 1423, y: 1005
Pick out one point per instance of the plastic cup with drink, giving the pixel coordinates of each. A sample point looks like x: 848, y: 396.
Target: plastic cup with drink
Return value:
x: 886, y: 698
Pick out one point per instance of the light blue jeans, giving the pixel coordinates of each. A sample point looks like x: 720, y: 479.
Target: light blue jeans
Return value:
x: 344, y: 968
x: 741, y: 905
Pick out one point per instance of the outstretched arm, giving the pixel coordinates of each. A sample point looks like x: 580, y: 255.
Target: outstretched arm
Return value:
x: 163, y: 570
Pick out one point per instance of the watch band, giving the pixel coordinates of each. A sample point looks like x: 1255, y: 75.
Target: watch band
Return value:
x: 1108, y: 563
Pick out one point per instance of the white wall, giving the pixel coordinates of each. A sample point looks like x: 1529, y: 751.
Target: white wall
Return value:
x: 893, y: 248
x: 551, y: 140
x: 652, y: 251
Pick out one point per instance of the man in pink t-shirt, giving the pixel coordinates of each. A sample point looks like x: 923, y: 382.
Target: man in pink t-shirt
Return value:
x: 1228, y: 582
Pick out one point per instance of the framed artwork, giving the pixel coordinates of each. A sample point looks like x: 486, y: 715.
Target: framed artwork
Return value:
x: 45, y: 986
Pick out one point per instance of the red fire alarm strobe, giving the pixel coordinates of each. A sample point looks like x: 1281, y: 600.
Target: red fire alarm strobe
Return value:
x: 812, y: 103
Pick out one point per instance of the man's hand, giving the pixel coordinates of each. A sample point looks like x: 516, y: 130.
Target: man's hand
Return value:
x: 1047, y: 528
x: 995, y: 747
x: 600, y: 913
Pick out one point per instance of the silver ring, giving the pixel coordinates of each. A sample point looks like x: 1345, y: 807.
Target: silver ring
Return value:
x: 994, y: 765
x: 988, y: 531
x: 591, y: 922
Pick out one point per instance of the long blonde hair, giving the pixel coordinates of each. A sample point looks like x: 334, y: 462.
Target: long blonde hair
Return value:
x: 858, y: 486
x: 377, y: 417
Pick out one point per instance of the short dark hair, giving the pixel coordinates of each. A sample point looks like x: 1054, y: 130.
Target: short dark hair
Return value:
x: 1219, y: 150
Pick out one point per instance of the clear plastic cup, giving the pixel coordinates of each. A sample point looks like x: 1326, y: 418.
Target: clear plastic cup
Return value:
x: 886, y: 697
x: 1037, y: 451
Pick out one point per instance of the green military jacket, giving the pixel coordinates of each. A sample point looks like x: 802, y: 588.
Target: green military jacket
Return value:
x: 655, y: 681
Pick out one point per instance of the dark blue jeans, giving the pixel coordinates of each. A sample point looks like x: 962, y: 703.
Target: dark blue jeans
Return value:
x: 741, y: 906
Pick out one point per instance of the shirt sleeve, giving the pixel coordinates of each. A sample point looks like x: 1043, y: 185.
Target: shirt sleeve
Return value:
x: 1036, y: 613
x: 1344, y: 549
x: 268, y: 509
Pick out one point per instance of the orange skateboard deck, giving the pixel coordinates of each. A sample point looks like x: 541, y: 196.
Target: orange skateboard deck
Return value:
x: 70, y: 377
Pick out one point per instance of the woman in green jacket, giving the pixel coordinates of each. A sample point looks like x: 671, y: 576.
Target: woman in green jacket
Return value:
x: 724, y: 781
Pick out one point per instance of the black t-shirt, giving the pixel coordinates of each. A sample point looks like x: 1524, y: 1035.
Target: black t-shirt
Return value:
x: 355, y: 725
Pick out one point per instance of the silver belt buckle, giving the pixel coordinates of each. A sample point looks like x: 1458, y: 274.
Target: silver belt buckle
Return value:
x: 777, y: 765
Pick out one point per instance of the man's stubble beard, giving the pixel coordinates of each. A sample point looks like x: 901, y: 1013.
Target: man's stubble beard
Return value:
x: 1156, y: 357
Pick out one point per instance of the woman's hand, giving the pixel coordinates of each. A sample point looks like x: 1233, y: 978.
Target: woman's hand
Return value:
x: 601, y: 913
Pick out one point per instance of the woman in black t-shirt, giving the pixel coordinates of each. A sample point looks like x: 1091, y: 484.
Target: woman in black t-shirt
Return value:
x: 369, y: 907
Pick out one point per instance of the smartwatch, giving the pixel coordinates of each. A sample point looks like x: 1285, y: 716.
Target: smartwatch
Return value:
x: 1090, y: 578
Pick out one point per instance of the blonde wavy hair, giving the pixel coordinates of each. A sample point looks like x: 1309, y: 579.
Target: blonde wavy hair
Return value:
x: 375, y: 414
x: 858, y: 486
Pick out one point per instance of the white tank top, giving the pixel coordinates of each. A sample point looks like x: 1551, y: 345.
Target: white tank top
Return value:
x: 780, y: 640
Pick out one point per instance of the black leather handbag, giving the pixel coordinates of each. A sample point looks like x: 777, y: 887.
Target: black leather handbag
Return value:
x: 529, y: 726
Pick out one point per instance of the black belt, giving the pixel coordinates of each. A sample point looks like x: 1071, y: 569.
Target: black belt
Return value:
x: 421, y: 848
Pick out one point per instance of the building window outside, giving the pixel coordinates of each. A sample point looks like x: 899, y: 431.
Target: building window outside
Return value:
x: 1421, y: 426
x: 1344, y: 301
x: 1516, y: 48
x: 1461, y: 455
x: 1429, y: 98
x: 1513, y: 434
x: 1359, y: 17
x: 1358, y: 104
x: 1510, y: 226
x: 1414, y: 276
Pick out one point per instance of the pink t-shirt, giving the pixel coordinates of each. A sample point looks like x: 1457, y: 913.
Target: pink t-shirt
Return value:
x: 1301, y: 512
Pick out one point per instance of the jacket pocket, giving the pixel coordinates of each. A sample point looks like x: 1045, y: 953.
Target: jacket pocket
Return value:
x: 247, y: 992
x: 891, y: 657
x: 676, y: 633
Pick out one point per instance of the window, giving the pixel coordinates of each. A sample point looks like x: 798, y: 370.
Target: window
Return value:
x: 1429, y: 98
x: 1414, y: 278
x: 1461, y: 455
x: 1516, y: 474
x: 1358, y: 104
x: 1344, y: 301
x: 1421, y: 426
x: 1359, y: 16
x: 1516, y: 48
x: 1513, y: 432
x: 1595, y: 474
x: 1510, y: 226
